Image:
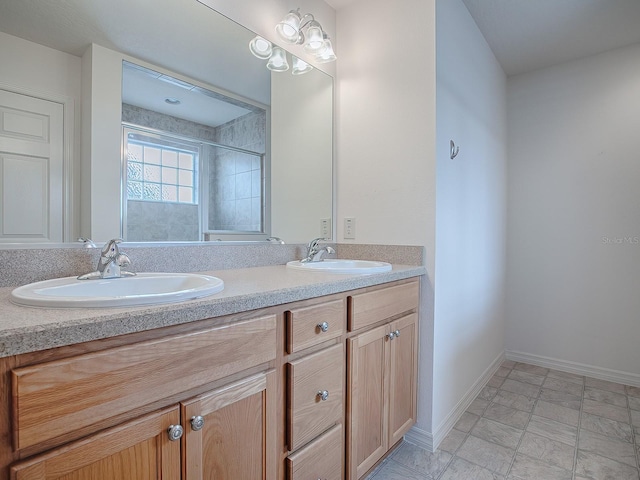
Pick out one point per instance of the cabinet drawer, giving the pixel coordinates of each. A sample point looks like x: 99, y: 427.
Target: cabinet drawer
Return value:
x: 371, y: 307
x: 304, y: 325
x: 55, y: 398
x: 322, y: 458
x: 308, y: 414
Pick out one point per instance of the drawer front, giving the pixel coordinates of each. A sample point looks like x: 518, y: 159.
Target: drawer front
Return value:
x: 308, y: 414
x: 59, y: 397
x: 308, y: 326
x: 368, y: 308
x: 322, y: 458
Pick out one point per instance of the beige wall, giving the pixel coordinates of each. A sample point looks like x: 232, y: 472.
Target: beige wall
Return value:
x: 386, y: 168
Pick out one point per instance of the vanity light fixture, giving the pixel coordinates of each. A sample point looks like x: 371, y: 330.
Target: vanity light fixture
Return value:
x: 300, y: 66
x: 278, y: 60
x: 306, y: 30
x: 303, y: 30
x: 295, y: 29
x: 260, y: 47
x: 326, y: 53
x: 277, y: 57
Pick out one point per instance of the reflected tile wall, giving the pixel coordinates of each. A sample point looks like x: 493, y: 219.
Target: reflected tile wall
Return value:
x: 235, y: 200
x: 158, y: 221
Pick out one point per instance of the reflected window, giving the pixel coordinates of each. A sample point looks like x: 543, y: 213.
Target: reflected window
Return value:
x: 160, y: 169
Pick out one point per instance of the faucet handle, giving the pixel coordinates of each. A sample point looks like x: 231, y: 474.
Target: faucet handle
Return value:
x: 111, y: 247
x: 313, y: 243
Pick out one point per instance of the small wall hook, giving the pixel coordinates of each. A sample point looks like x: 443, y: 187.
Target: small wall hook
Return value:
x: 453, y: 149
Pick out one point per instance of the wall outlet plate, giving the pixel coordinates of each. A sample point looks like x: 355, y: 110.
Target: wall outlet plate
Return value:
x: 325, y: 228
x: 349, y: 228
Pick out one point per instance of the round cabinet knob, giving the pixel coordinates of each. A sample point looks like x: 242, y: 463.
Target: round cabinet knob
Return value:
x: 175, y: 432
x: 397, y: 333
x: 324, y: 326
x: 323, y: 394
x: 392, y: 335
x: 197, y: 423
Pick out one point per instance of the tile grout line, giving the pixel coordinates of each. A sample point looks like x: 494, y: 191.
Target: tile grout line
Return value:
x: 578, y: 429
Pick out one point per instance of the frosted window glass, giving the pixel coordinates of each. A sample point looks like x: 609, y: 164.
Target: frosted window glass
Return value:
x: 169, y: 193
x: 151, y: 192
x: 185, y: 194
x: 186, y: 161
x: 134, y: 152
x: 186, y: 178
x: 159, y: 170
x: 152, y: 155
x: 134, y: 171
x: 170, y: 158
x: 152, y: 173
x: 169, y: 175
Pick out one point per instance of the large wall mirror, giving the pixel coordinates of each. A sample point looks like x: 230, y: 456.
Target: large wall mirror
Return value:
x: 180, y: 134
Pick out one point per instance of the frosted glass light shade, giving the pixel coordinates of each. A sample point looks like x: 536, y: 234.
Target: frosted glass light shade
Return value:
x: 314, y: 39
x: 289, y: 27
x: 278, y: 60
x: 326, y: 54
x: 260, y: 47
x: 300, y: 67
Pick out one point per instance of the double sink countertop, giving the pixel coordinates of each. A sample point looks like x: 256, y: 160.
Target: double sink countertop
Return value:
x: 30, y: 329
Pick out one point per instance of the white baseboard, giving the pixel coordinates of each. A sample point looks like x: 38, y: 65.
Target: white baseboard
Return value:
x: 574, y: 367
x: 421, y: 438
x: 431, y: 441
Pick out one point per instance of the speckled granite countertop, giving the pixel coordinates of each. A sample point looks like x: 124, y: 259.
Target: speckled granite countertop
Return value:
x: 26, y: 329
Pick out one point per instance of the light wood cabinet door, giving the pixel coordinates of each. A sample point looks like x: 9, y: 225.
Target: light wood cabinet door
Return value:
x: 367, y: 434
x: 403, y: 371
x: 139, y: 449
x: 230, y: 433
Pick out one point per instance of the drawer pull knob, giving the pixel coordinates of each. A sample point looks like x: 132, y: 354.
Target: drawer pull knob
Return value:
x: 391, y: 336
x: 397, y: 333
x: 324, y: 326
x: 175, y: 432
x: 323, y: 394
x: 197, y: 423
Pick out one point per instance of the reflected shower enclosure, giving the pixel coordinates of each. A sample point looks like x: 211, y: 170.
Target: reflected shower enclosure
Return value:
x: 193, y: 168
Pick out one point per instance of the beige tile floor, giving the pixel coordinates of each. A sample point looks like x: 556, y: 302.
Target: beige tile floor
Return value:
x: 531, y: 422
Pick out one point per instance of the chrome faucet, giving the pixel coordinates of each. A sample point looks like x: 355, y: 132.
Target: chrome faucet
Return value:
x: 315, y: 251
x: 110, y: 263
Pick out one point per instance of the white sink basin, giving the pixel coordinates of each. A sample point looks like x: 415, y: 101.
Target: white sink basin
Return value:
x: 342, y: 266
x: 143, y: 289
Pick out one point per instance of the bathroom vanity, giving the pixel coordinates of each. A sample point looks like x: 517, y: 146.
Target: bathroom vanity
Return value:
x: 286, y: 375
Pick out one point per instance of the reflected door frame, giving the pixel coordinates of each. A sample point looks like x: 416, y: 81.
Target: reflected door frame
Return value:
x: 69, y: 228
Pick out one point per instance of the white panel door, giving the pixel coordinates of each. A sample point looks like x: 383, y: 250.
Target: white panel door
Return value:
x: 31, y: 169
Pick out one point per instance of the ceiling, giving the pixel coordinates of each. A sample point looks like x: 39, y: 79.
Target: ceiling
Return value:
x: 526, y: 35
